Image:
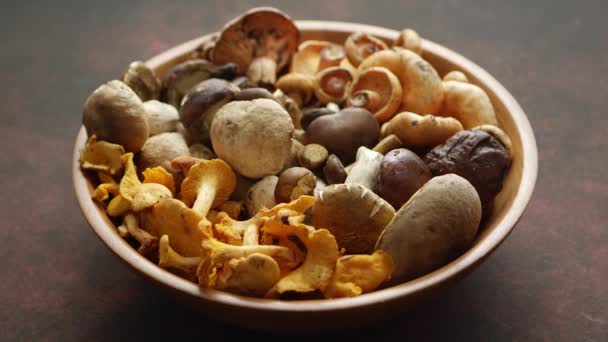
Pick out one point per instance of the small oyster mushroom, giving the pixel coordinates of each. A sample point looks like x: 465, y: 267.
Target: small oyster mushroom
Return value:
x: 142, y: 80
x: 421, y: 130
x: 161, y: 149
x: 344, y: 132
x: 208, y: 185
x: 261, y: 195
x: 421, y: 85
x: 437, y: 224
x: 254, y: 137
x: 313, y: 156
x: 182, y: 77
x: 353, y: 214
x: 467, y: 103
x: 293, y: 183
x: 334, y: 171
x: 299, y: 87
x: 476, y: 156
x: 262, y: 39
x: 366, y: 169
x: 378, y: 90
x: 114, y: 113
x: 409, y: 39
x: 332, y: 84
x: 201, y: 104
x: 402, y: 173
x: 359, y: 46
x: 162, y: 117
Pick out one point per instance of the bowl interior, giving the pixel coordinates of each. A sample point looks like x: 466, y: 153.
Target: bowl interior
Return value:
x: 509, y: 204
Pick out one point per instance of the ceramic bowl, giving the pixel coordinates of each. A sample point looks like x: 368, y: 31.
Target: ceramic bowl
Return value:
x: 330, y: 314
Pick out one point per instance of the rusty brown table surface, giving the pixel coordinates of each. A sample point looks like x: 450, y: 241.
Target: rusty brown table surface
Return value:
x: 548, y: 281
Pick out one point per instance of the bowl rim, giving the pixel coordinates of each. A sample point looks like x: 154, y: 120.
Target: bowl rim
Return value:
x: 442, y: 275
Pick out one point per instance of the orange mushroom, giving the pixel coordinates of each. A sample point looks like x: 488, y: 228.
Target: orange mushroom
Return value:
x: 378, y: 90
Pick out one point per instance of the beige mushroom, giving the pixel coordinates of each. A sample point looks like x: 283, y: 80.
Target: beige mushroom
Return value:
x: 409, y: 39
x: 162, y: 117
x: 421, y: 130
x: 438, y: 223
x: 293, y: 183
x: 142, y: 80
x: 114, y: 113
x: 467, y: 103
x: 366, y: 169
x: 254, y: 137
x: 353, y: 214
x: 421, y: 85
x: 161, y: 149
x: 456, y: 75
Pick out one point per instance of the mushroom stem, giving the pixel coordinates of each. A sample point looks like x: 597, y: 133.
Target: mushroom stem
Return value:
x: 367, y: 99
x: 205, y: 198
x: 263, y: 71
x: 169, y: 258
x: 251, y: 234
x: 146, y: 240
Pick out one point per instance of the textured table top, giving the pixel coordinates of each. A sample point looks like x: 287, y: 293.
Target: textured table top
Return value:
x: 548, y: 281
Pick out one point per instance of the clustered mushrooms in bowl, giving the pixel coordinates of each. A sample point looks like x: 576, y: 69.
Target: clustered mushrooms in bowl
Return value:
x: 292, y: 172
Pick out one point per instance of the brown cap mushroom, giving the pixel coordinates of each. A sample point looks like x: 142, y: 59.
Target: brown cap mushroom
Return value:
x: 378, y: 90
x: 402, y: 173
x: 142, y: 80
x: 254, y: 137
x: 182, y: 77
x: 114, y: 113
x: 344, y: 132
x: 293, y: 183
x: 209, y: 184
x: 261, y: 35
x: 200, y: 105
x: 334, y: 170
x: 353, y: 214
x: 360, y: 45
x: 332, y: 84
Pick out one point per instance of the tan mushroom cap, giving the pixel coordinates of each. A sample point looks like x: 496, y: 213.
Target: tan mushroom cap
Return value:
x: 332, y: 84
x: 299, y: 87
x: 209, y: 184
x: 359, y: 46
x: 353, y: 214
x: 316, y: 55
x: 259, y: 32
x: 378, y: 90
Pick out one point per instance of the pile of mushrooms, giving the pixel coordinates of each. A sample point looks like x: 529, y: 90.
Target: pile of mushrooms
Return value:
x: 268, y: 166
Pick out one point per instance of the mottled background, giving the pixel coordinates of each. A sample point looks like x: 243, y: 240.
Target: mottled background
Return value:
x: 548, y: 281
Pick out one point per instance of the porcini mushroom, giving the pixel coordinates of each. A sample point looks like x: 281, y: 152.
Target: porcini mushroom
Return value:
x: 420, y: 83
x: 313, y: 156
x: 437, y: 224
x: 264, y: 37
x: 334, y: 171
x: 161, y: 149
x: 293, y: 183
x: 254, y: 137
x: 332, y: 84
x: 142, y: 80
x: 182, y: 77
x: 209, y: 184
x: 201, y: 104
x: 378, y: 90
x: 359, y: 46
x: 353, y: 214
x: 114, y: 113
x: 401, y: 174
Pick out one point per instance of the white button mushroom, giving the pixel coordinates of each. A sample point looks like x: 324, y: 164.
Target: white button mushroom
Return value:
x: 254, y: 137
